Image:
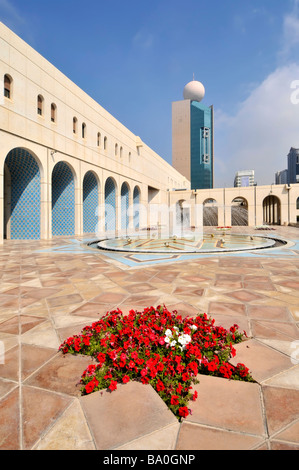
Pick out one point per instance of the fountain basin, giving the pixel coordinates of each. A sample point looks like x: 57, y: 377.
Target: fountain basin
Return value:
x: 207, y: 243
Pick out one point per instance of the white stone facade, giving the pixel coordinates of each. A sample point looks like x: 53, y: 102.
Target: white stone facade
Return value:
x: 107, y: 148
x: 257, y: 205
x: 47, y: 122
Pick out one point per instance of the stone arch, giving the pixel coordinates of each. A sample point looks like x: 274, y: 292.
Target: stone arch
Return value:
x: 271, y: 210
x: 239, y: 211
x: 124, y: 195
x: 90, y: 202
x: 110, y: 204
x: 136, y: 207
x: 210, y: 212
x: 183, y: 215
x: 22, y: 195
x: 63, y: 200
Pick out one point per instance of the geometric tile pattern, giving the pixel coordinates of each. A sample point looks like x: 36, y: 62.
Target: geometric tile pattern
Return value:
x: 63, y: 200
x: 25, y: 195
x: 124, y: 206
x: 136, y: 200
x: 110, y: 205
x: 90, y: 203
x: 46, y: 297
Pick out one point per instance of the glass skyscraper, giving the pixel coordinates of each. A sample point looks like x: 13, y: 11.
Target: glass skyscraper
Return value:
x: 192, y: 137
x: 293, y: 166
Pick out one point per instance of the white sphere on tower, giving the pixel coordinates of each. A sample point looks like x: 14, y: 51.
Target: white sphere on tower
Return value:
x: 194, y: 91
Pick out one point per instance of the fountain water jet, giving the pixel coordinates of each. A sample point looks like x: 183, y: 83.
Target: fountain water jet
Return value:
x: 181, y: 237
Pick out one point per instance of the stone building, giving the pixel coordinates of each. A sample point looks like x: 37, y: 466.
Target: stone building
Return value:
x: 69, y: 168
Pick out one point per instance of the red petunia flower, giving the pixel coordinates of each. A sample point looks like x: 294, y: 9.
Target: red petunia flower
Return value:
x: 86, y: 340
x: 174, y: 400
x: 89, y: 388
x: 185, y: 376
x: 183, y: 411
x: 101, y: 358
x: 160, y: 386
x: 113, y: 385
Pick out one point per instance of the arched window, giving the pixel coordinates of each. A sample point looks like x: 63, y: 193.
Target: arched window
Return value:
x: 83, y: 130
x: 121, y: 152
x: 110, y: 205
x: 53, y: 112
x: 116, y: 149
x: 105, y: 143
x: 99, y: 139
x: 210, y: 212
x: 297, y: 203
x: 7, y: 86
x: 129, y: 156
x: 63, y: 200
x: 125, y: 206
x: 40, y: 105
x: 271, y: 210
x: 90, y: 202
x: 239, y: 211
x: 136, y: 209
x: 75, y: 121
x: 22, y: 196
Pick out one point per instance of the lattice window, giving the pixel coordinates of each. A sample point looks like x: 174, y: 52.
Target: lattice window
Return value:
x: 110, y: 205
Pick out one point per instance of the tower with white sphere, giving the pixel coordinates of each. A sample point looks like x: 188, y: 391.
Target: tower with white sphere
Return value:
x: 193, y: 137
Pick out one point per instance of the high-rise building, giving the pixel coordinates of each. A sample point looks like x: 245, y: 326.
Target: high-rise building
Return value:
x: 193, y: 137
x: 293, y: 166
x: 281, y: 177
x: 244, y: 178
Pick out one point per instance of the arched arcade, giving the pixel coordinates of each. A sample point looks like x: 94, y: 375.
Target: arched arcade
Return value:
x: 22, y: 196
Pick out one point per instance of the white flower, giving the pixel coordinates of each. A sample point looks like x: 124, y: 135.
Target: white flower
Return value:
x: 168, y: 333
x: 184, y: 339
x: 173, y: 343
x: 167, y: 339
x: 193, y: 327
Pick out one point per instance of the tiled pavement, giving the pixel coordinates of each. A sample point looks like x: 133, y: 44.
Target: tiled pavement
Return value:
x: 47, y: 294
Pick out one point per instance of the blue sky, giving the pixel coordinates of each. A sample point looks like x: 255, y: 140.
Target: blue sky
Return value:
x: 135, y: 57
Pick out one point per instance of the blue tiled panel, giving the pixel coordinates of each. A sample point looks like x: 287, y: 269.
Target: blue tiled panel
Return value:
x: 110, y: 205
x: 136, y: 198
x: 25, y: 195
x: 124, y: 206
x: 63, y: 200
x: 90, y: 203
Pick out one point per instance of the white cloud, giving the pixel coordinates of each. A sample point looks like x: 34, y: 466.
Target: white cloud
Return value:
x: 259, y: 136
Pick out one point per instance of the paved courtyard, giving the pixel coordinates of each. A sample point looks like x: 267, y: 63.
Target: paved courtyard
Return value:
x: 52, y: 289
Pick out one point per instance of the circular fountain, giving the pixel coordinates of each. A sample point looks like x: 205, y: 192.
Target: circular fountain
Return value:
x: 220, y: 242
x: 182, y: 238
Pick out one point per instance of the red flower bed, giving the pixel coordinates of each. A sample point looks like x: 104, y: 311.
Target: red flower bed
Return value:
x: 157, y: 347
